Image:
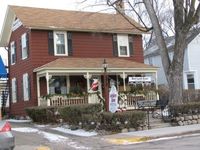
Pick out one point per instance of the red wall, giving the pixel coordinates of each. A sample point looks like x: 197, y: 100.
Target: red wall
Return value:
x: 84, y: 45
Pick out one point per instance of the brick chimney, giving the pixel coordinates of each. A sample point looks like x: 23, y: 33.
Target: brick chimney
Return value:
x: 120, y: 6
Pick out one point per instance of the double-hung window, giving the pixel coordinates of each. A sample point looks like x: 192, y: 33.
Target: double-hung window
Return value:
x: 26, y: 87
x: 123, y: 45
x: 12, y: 53
x: 14, y: 90
x: 24, y: 46
x: 60, y: 43
x: 190, y: 81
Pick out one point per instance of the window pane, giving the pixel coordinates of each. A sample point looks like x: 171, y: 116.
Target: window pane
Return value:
x: 60, y: 49
x: 24, y: 46
x: 60, y: 39
x: 60, y: 43
x: 123, y: 50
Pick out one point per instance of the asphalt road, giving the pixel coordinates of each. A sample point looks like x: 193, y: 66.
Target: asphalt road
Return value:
x: 35, y: 141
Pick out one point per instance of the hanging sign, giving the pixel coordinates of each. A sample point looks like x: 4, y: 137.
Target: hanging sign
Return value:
x: 139, y: 79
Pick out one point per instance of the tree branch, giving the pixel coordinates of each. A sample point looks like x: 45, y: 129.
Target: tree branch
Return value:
x: 159, y: 37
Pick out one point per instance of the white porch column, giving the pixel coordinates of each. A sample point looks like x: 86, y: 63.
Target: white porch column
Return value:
x: 47, y: 82
x: 156, y: 82
x: 68, y: 84
x: 88, y: 77
x: 123, y: 76
x: 38, y: 90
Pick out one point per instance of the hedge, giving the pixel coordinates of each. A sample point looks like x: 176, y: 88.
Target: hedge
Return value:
x: 88, y: 116
x: 43, y: 114
x: 186, y: 108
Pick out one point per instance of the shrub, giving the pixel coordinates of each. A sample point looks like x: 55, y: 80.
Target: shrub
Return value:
x: 42, y: 114
x: 117, y: 121
x: 73, y: 114
x: 187, y: 108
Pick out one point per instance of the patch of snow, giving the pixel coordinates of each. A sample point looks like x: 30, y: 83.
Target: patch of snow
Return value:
x: 25, y: 130
x: 74, y: 145
x: 40, y: 125
x: 18, y: 121
x: 78, y: 132
x: 53, y: 137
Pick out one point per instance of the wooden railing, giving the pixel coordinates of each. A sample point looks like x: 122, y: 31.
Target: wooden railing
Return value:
x: 132, y: 101
x: 64, y: 101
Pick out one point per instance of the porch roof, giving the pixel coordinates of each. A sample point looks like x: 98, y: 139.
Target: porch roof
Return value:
x: 94, y: 65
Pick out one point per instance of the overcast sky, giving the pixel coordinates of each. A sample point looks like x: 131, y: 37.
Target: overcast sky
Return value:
x: 57, y: 4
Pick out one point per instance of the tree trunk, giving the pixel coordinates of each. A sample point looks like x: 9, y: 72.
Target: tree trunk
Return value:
x: 175, y: 88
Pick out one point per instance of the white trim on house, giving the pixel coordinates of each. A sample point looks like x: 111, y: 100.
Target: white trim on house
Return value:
x: 26, y: 87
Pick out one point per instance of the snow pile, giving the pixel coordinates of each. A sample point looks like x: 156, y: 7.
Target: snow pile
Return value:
x: 49, y: 136
x: 78, y: 132
x: 18, y: 121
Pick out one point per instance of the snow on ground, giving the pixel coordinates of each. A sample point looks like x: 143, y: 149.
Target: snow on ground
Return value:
x: 78, y: 132
x: 18, y: 121
x: 49, y: 136
x: 52, y: 137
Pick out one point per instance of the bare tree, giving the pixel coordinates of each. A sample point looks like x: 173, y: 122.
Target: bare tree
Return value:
x: 186, y: 15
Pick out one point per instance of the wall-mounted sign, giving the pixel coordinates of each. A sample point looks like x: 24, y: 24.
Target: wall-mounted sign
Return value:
x: 139, y: 79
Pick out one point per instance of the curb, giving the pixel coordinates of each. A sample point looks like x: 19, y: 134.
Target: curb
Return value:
x: 128, y: 140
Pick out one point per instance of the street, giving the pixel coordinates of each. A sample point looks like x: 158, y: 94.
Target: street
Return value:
x: 44, y: 141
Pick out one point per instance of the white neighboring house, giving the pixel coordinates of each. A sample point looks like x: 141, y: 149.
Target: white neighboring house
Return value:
x: 191, y: 70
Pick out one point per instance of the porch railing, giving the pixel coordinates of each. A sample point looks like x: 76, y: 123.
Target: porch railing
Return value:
x: 64, y: 101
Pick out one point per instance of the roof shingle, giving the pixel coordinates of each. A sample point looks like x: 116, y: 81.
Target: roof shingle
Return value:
x: 40, y: 18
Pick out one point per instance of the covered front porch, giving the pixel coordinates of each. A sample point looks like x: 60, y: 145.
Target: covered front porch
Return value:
x: 67, y: 81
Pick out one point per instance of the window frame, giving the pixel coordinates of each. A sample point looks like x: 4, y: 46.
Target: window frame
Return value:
x: 14, y: 90
x: 24, y: 45
x: 65, y: 42
x: 26, y: 94
x: 12, y: 52
x: 125, y: 39
x: 193, y: 75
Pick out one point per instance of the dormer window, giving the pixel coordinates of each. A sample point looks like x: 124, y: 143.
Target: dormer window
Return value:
x: 60, y: 43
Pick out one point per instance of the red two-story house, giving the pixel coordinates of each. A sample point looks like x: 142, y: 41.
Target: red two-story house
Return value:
x: 60, y: 52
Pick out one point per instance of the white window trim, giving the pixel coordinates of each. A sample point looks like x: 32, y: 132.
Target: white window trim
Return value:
x: 12, y: 51
x: 26, y: 87
x: 23, y: 37
x: 127, y: 44
x: 66, y: 46
x: 14, y: 90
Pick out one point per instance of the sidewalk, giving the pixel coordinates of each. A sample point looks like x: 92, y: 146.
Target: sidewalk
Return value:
x: 145, y: 135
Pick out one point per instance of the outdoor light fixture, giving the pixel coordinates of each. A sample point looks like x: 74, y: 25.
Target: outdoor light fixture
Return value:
x: 105, y: 87
x: 105, y: 65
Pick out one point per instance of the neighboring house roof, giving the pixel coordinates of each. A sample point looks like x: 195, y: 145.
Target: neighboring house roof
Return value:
x: 46, y: 19
x: 153, y: 49
x: 93, y: 64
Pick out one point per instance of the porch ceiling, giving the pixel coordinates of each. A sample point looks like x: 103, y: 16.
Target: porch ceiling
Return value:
x: 75, y: 65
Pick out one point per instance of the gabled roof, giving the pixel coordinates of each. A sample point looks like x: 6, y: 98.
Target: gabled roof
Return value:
x: 153, y: 49
x: 93, y: 64
x: 52, y: 19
